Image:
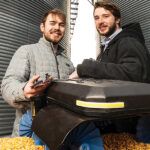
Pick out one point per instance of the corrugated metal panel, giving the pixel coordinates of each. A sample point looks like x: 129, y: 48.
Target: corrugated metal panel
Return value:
x: 139, y: 11
x: 19, y: 25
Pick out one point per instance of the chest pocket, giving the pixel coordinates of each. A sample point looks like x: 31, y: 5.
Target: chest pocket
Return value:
x: 65, y: 67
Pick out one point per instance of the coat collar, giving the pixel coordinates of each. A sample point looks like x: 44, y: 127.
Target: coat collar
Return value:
x: 56, y: 48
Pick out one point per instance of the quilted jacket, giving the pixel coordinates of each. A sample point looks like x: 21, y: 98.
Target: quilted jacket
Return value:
x: 27, y: 61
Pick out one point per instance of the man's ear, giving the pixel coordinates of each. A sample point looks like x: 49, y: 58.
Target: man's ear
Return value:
x: 118, y: 21
x: 42, y: 27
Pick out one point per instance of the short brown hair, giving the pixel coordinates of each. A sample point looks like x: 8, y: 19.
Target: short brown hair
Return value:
x: 108, y: 5
x: 55, y: 11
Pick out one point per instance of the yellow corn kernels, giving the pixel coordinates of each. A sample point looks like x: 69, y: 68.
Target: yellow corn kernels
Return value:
x: 18, y: 143
x: 123, y: 141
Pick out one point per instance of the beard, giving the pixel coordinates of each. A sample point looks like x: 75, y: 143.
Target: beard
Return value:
x: 111, y: 30
x: 54, y: 41
x: 51, y: 40
x: 49, y: 37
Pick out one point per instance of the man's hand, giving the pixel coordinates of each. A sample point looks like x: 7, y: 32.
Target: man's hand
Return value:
x: 74, y: 75
x: 30, y: 90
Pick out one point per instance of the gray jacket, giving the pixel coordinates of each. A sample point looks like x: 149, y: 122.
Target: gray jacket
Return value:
x: 30, y: 60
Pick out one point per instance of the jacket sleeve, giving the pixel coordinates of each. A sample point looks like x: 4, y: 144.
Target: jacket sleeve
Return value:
x: 15, y: 78
x: 128, y: 65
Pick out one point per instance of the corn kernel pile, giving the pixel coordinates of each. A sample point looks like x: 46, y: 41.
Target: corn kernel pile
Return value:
x: 18, y: 143
x: 123, y: 141
x: 112, y: 141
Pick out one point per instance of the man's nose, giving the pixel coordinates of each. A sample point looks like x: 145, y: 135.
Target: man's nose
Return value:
x: 100, y: 20
x: 57, y: 26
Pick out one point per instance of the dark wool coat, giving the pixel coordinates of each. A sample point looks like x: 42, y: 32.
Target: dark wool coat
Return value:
x: 125, y: 58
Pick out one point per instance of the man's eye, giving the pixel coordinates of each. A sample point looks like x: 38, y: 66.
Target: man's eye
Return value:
x: 52, y: 23
x: 96, y: 18
x: 106, y: 16
x: 62, y: 25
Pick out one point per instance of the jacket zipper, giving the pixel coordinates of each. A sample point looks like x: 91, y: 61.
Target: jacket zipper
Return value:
x: 56, y: 61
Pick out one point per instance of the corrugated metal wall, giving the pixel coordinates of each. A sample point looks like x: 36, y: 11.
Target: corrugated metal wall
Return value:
x: 136, y: 11
x: 19, y: 25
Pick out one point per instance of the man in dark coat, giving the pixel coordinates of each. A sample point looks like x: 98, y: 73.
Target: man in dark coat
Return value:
x: 123, y: 56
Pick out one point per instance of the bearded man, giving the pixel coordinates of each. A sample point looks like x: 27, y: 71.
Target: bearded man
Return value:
x: 123, y: 56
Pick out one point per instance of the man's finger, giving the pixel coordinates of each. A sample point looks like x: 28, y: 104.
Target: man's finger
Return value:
x: 34, y: 78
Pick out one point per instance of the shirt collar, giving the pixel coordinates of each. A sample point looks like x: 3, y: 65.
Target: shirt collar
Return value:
x: 108, y: 39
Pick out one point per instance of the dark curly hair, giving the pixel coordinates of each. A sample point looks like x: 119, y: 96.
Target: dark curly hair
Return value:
x: 108, y: 5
